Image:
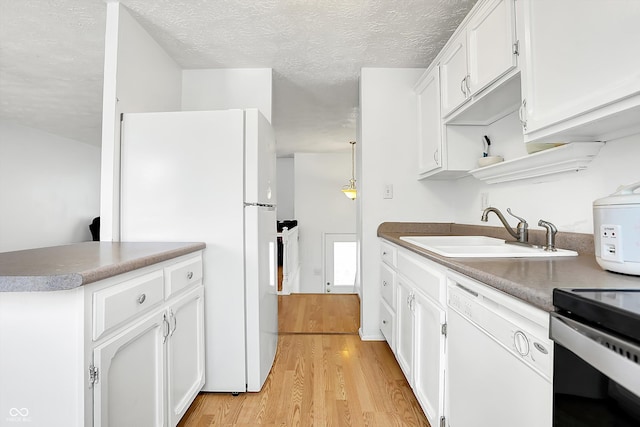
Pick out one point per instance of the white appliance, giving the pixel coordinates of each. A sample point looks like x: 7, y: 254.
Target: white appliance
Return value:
x: 499, y: 359
x: 616, y: 229
x: 210, y: 176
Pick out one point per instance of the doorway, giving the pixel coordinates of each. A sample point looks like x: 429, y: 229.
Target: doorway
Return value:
x: 340, y: 263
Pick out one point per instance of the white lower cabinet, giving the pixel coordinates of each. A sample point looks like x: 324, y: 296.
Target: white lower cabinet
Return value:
x: 130, y: 386
x: 149, y: 373
x: 420, y: 327
x: 123, y: 351
x: 429, y: 346
x: 457, y: 375
x: 185, y: 353
x: 404, y: 328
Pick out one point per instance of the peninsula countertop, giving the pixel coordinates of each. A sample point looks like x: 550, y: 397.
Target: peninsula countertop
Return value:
x: 66, y: 267
x: 529, y: 279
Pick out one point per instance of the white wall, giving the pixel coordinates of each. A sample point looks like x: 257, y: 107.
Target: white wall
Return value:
x: 139, y: 76
x: 222, y: 89
x: 387, y: 153
x: 285, y: 187
x: 320, y: 207
x: 49, y: 187
x: 565, y: 200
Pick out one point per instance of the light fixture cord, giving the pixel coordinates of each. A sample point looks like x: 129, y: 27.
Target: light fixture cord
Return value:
x: 353, y: 161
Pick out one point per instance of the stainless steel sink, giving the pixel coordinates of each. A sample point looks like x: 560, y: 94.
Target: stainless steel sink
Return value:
x: 480, y: 247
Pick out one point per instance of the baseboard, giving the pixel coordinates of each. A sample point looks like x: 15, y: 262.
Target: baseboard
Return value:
x: 371, y: 337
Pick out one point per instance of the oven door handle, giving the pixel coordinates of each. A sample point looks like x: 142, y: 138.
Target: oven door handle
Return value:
x: 591, y: 345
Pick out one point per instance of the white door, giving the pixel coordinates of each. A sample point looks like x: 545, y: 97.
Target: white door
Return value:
x: 261, y: 301
x: 453, y: 74
x: 185, y: 353
x: 130, y: 389
x: 340, y: 263
x: 491, y: 35
x: 428, y: 372
x: 404, y: 327
x: 578, y: 62
x: 429, y: 123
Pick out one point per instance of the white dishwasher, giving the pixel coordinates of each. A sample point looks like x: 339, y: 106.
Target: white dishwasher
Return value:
x: 499, y: 359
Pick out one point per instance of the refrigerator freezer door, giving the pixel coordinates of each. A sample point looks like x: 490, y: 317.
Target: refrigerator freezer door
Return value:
x: 261, y: 292
x: 182, y: 180
x: 260, y: 159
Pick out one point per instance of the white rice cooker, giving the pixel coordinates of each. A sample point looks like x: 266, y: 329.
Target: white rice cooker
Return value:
x: 616, y: 230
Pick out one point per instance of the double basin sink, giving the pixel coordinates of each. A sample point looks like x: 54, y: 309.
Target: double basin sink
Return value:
x: 481, y: 247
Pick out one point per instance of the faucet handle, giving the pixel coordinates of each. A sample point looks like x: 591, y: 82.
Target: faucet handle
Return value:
x: 522, y: 220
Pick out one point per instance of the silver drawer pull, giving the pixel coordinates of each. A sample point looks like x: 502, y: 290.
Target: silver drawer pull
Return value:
x: 190, y: 275
x: 141, y: 298
x: 384, y: 322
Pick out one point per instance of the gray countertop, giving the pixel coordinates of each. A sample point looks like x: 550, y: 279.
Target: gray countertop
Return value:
x: 529, y: 279
x: 67, y: 267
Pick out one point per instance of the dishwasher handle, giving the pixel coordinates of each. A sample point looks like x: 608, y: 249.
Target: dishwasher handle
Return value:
x: 608, y: 354
x: 464, y: 288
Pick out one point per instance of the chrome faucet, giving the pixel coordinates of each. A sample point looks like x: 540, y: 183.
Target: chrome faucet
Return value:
x: 522, y: 231
x: 551, y: 235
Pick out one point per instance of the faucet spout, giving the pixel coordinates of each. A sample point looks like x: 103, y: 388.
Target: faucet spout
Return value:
x: 551, y: 235
x: 521, y: 234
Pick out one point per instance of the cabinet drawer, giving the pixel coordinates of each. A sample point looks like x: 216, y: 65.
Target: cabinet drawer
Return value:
x: 386, y: 323
x: 388, y: 285
x: 182, y: 275
x: 427, y: 276
x: 388, y: 253
x: 119, y: 303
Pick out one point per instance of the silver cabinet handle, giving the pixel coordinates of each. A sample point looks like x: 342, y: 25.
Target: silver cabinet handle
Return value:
x: 173, y: 317
x: 166, y: 328
x: 466, y: 83
x: 435, y: 157
x: 142, y: 298
x: 522, y: 111
x: 190, y: 275
x: 384, y: 322
x: 462, y: 85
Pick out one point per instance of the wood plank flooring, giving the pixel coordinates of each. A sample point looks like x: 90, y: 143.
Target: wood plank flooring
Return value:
x: 319, y: 313
x: 323, y: 375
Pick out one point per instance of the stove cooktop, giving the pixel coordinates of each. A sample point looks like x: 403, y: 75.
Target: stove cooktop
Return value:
x: 617, y: 310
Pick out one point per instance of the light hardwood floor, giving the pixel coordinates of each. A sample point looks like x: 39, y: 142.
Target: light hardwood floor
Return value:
x: 323, y: 375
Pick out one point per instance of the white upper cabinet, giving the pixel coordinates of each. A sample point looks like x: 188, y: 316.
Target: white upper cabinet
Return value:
x: 429, y: 124
x: 581, y: 77
x: 491, y: 42
x: 481, y: 53
x: 453, y: 74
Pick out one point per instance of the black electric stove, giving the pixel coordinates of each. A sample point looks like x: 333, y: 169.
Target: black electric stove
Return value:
x: 596, y: 379
x: 616, y: 310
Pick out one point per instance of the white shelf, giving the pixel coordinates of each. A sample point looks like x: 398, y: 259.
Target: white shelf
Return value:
x: 575, y: 156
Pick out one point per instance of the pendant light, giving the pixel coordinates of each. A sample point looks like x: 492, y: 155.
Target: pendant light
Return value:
x: 349, y: 190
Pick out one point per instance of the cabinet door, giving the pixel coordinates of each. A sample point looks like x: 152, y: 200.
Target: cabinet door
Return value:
x: 130, y: 388
x: 428, y: 367
x: 185, y: 353
x: 578, y: 62
x: 429, y: 123
x: 453, y: 74
x: 404, y: 328
x: 491, y: 36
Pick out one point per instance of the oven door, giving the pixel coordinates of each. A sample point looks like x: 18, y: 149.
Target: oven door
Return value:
x: 596, y: 379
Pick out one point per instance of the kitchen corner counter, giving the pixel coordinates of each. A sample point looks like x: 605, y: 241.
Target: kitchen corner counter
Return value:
x: 529, y: 279
x: 70, y: 266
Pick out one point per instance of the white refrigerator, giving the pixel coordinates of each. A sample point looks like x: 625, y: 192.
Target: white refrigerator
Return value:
x: 210, y: 176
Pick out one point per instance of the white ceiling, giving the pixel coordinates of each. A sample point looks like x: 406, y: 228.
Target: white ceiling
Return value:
x: 51, y: 56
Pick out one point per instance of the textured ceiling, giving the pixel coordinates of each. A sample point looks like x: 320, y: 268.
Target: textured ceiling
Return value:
x: 51, y: 55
